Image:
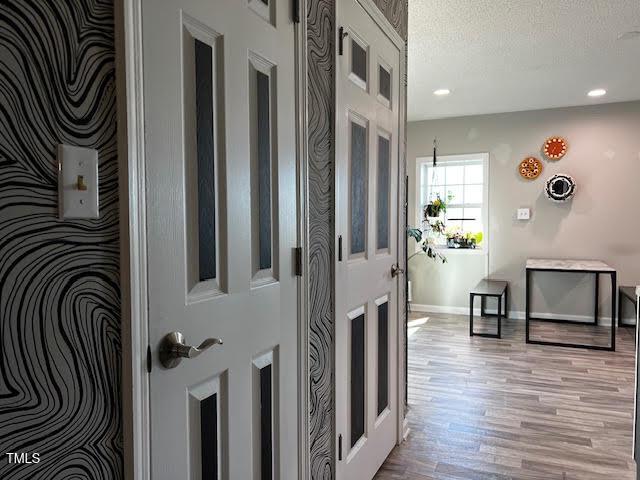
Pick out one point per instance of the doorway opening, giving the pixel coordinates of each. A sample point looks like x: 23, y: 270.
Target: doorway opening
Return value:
x: 553, y: 397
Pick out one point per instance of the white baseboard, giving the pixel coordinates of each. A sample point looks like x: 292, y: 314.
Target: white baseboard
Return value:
x: 513, y: 314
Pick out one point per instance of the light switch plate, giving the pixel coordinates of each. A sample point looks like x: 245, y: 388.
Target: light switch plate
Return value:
x: 77, y: 182
x: 524, y: 213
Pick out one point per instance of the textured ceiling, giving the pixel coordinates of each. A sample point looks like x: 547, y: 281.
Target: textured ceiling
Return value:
x: 512, y: 55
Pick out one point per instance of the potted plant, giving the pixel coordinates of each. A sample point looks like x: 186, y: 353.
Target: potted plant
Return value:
x: 434, y: 208
x: 456, y: 238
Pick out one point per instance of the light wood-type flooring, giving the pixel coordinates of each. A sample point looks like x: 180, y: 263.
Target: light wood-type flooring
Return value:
x: 483, y: 408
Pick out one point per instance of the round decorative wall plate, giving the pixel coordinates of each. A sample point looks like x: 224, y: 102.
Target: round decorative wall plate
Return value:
x: 530, y: 168
x: 554, y: 148
x: 560, y: 187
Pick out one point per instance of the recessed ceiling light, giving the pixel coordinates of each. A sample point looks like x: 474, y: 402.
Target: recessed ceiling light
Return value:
x: 598, y: 92
x: 442, y: 91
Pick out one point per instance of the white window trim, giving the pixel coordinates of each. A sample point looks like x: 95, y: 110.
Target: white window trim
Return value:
x: 442, y: 159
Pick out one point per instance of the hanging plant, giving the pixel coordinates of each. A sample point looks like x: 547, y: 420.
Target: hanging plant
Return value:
x: 432, y: 225
x: 425, y: 240
x: 434, y: 208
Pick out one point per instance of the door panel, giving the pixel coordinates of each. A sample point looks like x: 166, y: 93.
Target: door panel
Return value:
x: 367, y: 126
x: 221, y: 195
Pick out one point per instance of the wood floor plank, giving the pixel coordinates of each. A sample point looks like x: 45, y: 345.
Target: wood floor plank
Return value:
x: 499, y: 409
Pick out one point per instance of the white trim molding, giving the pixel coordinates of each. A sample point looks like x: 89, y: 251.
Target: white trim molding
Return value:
x: 133, y: 260
x: 513, y: 314
x: 304, y: 467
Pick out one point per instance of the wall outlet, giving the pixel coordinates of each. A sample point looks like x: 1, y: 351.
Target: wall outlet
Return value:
x: 524, y: 213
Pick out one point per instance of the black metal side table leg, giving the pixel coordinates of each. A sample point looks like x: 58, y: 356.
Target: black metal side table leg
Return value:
x: 506, y: 302
x: 500, y: 316
x: 619, y: 308
x: 471, y: 298
x: 613, y: 311
x: 527, y: 313
x: 597, y: 300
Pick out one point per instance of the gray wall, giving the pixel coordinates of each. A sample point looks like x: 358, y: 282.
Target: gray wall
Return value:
x: 601, y: 222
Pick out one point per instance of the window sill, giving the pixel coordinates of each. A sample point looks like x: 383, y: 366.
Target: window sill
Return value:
x: 461, y: 251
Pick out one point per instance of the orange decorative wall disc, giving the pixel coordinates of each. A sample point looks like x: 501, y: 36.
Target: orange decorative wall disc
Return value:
x: 555, y: 148
x: 530, y: 168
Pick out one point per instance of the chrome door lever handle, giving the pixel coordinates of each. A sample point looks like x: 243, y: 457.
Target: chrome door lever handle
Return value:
x: 173, y: 349
x: 396, y: 270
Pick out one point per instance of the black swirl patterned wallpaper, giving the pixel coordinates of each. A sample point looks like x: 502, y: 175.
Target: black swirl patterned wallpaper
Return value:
x: 321, y: 100
x: 59, y: 293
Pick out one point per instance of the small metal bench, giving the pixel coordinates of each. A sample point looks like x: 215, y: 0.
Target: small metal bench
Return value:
x: 630, y: 294
x: 489, y: 288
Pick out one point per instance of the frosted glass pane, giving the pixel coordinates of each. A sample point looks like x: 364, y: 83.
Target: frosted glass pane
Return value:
x: 382, y: 206
x: 358, y: 60
x: 358, y: 184
x: 266, y: 423
x: 209, y: 437
x: 455, y: 175
x: 384, y: 82
x: 263, y: 129
x: 473, y: 194
x: 206, y: 160
x: 474, y: 173
x: 383, y: 357
x: 357, y: 378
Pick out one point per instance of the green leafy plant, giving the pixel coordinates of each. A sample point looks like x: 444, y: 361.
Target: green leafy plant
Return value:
x: 426, y: 244
x: 436, y: 207
x: 433, y: 226
x: 457, y: 238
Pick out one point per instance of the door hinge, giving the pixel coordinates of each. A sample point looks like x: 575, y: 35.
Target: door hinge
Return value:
x: 297, y: 252
x: 295, y: 14
x: 149, y: 359
x: 340, y: 248
x: 341, y: 35
x: 340, y: 447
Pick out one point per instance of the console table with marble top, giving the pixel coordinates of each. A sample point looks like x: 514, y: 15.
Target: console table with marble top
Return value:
x: 595, y: 267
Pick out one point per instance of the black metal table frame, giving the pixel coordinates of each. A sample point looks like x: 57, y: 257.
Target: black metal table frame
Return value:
x: 635, y: 308
x: 612, y: 340
x: 483, y: 297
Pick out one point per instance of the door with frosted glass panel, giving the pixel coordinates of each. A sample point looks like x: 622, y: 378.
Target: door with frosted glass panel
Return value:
x: 221, y: 213
x: 367, y: 127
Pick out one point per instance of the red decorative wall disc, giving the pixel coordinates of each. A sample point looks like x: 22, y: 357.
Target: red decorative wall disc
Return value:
x: 530, y: 168
x: 555, y: 148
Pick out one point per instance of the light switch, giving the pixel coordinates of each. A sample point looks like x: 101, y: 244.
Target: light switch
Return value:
x: 524, y: 214
x: 77, y: 182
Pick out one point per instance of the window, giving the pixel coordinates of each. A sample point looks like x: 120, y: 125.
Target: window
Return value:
x: 461, y: 181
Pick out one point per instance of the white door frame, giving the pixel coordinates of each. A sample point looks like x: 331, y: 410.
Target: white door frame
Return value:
x: 133, y: 239
x: 383, y: 23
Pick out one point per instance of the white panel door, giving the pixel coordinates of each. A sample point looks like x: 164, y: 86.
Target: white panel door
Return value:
x: 221, y: 195
x: 367, y: 126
